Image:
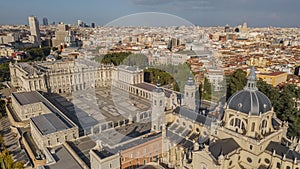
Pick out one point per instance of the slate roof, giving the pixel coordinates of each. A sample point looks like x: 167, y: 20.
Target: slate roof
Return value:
x: 49, y: 123
x: 193, y: 116
x: 250, y: 101
x: 177, y: 139
x: 25, y: 98
x: 281, y: 150
x: 224, y: 147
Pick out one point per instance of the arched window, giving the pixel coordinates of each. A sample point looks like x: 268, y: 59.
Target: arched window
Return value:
x: 237, y: 123
x: 231, y: 122
x: 278, y: 165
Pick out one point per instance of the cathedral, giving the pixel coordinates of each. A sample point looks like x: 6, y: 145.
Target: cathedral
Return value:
x: 243, y: 134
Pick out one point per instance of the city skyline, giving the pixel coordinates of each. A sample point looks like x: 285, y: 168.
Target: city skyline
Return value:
x: 202, y: 13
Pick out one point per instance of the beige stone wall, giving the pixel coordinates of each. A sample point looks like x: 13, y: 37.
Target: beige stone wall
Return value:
x: 112, y: 162
x: 25, y: 112
x: 61, y: 77
x: 31, y: 154
x: 54, y: 139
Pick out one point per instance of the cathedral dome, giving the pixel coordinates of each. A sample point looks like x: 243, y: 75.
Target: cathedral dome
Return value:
x: 250, y: 100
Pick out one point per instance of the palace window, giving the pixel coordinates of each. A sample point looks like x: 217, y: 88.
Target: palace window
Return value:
x: 267, y: 161
x: 253, y: 126
x: 278, y: 165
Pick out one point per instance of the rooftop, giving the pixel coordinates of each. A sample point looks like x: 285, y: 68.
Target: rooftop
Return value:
x: 107, y: 152
x: 63, y: 159
x: 49, y: 123
x: 282, y: 150
x: 223, y: 147
x: 273, y: 73
x: 25, y: 98
x: 193, y: 116
x: 150, y: 87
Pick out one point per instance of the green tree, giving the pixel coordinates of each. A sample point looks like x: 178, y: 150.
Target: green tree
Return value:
x: 34, y: 54
x: 113, y: 58
x: 1, y: 142
x: 2, y: 108
x: 200, y: 91
x: 271, y: 92
x: 4, y: 72
x: 236, y: 82
x: 207, y: 90
x: 9, y: 162
x: 19, y: 165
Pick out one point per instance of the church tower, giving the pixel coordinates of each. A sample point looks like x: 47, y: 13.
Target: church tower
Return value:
x: 189, y: 99
x: 158, y: 108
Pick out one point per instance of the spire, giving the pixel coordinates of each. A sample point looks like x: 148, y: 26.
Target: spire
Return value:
x: 251, y: 83
x: 158, y: 82
x: 158, y: 88
x: 190, y: 81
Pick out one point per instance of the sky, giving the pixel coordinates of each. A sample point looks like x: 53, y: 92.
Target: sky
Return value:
x: 257, y: 13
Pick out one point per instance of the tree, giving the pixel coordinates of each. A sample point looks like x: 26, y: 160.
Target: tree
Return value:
x: 207, y: 89
x: 271, y: 92
x: 9, y: 162
x: 2, y: 108
x: 1, y: 142
x: 236, y: 82
x: 200, y: 91
x: 19, y: 165
x: 113, y: 58
x: 34, y: 54
x: 4, y: 72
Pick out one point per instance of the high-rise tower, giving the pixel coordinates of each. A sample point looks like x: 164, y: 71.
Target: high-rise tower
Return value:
x: 45, y: 21
x: 34, y: 29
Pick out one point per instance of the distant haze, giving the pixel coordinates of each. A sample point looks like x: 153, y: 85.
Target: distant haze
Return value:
x: 258, y: 13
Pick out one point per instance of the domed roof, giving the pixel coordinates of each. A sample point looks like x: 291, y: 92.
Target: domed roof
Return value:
x: 250, y: 100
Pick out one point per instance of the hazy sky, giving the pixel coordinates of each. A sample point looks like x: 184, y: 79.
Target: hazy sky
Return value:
x: 199, y: 12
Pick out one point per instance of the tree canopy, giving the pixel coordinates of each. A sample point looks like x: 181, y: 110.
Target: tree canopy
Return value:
x: 35, y: 54
x: 4, y: 72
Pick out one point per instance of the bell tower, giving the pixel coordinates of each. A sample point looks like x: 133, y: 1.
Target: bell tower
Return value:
x: 189, y: 93
x: 158, y: 108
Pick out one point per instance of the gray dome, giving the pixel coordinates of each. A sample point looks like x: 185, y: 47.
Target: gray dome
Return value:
x: 250, y: 100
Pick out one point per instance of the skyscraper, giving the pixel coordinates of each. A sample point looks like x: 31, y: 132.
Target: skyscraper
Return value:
x: 34, y: 29
x: 79, y: 23
x: 45, y: 21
